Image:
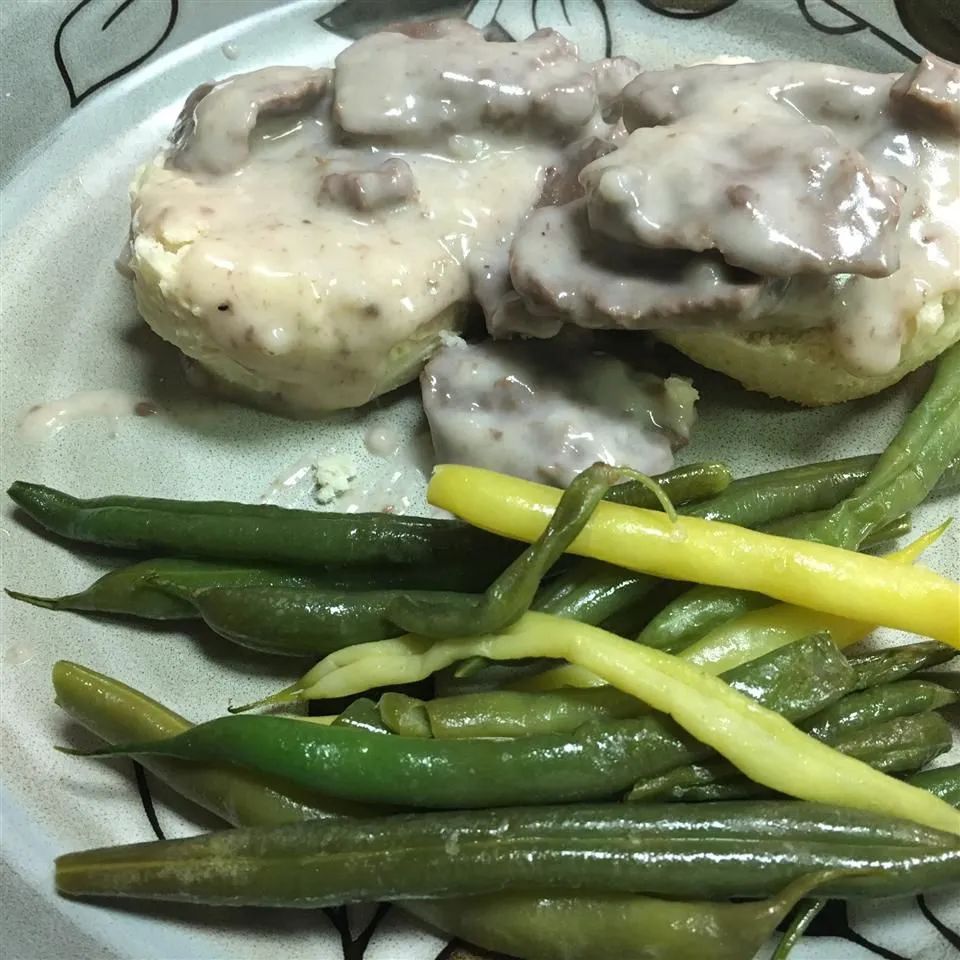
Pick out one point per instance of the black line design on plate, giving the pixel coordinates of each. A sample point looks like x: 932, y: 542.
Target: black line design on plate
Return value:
x: 826, y: 28
x: 146, y: 798
x: 607, y: 32
x: 566, y: 15
x: 857, y: 23
x: 77, y: 97
x: 834, y: 921
x: 674, y: 13
x: 355, y: 949
x: 948, y: 933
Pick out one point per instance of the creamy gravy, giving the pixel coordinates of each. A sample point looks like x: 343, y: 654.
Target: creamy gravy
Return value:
x: 310, y: 232
x: 845, y: 183
x: 307, y: 261
x: 546, y: 411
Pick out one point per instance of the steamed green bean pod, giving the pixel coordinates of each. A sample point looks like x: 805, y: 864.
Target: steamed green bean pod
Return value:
x: 742, y: 849
x: 116, y: 712
x: 254, y: 532
x: 625, y: 925
x: 943, y: 782
x: 795, y: 681
x: 298, y: 622
x: 515, y: 590
x: 898, y: 746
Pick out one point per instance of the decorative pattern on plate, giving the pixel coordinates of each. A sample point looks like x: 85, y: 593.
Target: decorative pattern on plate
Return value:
x: 73, y: 42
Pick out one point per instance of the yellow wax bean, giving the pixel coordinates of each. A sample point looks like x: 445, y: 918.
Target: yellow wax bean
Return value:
x: 840, y: 582
x: 759, y: 632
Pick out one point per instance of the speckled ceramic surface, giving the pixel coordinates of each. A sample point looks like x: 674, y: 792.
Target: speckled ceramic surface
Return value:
x: 88, y: 89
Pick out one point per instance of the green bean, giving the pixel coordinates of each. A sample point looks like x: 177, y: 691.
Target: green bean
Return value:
x: 132, y: 590
x: 903, y: 744
x: 361, y: 714
x: 839, y: 722
x: 592, y: 591
x: 796, y: 681
x: 513, y: 592
x: 876, y: 538
x: 492, y: 676
x: 943, y: 782
x: 403, y: 715
x: 135, y: 590
x: 770, y: 497
x: 116, y: 712
x: 689, y: 484
x: 625, y: 926
x: 255, y: 532
x: 865, y: 708
x: 299, y: 622
x: 632, y: 617
x: 920, y: 437
x: 507, y: 713
x: 806, y: 912
x: 894, y: 663
x: 752, y: 849
x: 597, y: 760
x: 695, y: 613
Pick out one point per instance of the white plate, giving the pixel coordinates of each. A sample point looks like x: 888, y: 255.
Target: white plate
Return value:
x: 69, y: 324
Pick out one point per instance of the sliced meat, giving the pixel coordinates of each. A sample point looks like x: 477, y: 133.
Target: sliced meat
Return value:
x: 931, y: 92
x: 389, y: 184
x: 560, y: 269
x: 561, y: 180
x: 775, y: 196
x: 453, y: 80
x: 213, y: 132
x: 547, y: 411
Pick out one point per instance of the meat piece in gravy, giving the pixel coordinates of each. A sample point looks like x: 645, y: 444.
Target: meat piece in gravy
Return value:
x: 775, y: 196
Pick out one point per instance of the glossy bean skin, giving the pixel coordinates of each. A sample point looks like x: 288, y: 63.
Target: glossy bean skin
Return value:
x: 597, y: 760
x: 895, y: 663
x: 300, y: 622
x: 796, y: 681
x: 134, y: 590
x: 592, y: 591
x: 899, y: 745
x: 741, y: 849
x: 627, y: 926
x: 944, y: 782
x: 254, y: 532
x: 116, y: 712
